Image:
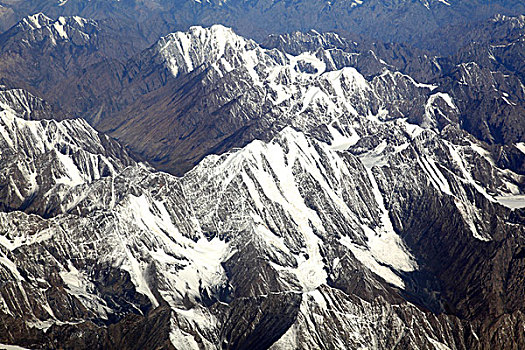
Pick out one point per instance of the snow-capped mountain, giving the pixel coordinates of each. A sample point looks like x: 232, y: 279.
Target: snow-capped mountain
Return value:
x: 187, y: 243
x: 219, y: 90
x: 388, y: 20
x: 484, y: 78
x: 50, y: 50
x: 325, y: 209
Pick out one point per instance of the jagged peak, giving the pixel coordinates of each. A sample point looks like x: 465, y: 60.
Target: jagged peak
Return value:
x: 70, y: 151
x: 216, y: 35
x: 35, y: 21
x: 297, y: 42
x: 184, y: 51
x: 288, y: 143
x: 27, y: 105
x: 311, y: 34
x: 58, y: 29
x: 517, y: 21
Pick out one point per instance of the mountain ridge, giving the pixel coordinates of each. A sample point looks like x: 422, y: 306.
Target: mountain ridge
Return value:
x: 156, y: 221
x: 328, y: 192
x: 411, y: 20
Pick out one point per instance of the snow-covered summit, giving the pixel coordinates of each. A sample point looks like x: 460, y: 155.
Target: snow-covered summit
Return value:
x: 42, y: 160
x: 35, y: 21
x: 40, y: 27
x: 185, y: 51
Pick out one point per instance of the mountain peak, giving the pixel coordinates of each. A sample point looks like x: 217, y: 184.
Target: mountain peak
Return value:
x: 40, y: 26
x: 516, y: 21
x: 184, y: 51
x: 33, y: 22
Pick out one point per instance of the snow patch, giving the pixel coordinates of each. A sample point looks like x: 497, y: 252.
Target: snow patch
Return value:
x: 340, y: 141
x: 444, y: 2
x: 367, y: 259
x: 11, y: 347
x: 521, y: 146
x: 199, y: 261
x: 438, y: 345
x: 59, y: 27
x: 514, y: 202
x: 386, y: 250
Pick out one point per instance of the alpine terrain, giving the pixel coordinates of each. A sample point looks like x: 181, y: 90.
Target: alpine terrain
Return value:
x: 315, y: 189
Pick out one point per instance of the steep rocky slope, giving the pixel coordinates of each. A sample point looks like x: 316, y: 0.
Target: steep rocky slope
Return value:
x: 391, y: 20
x: 329, y: 193
x: 39, y: 52
x: 366, y: 216
x: 196, y: 94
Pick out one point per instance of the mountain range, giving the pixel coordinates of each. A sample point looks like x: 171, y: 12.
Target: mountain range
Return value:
x: 412, y: 21
x: 306, y: 189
